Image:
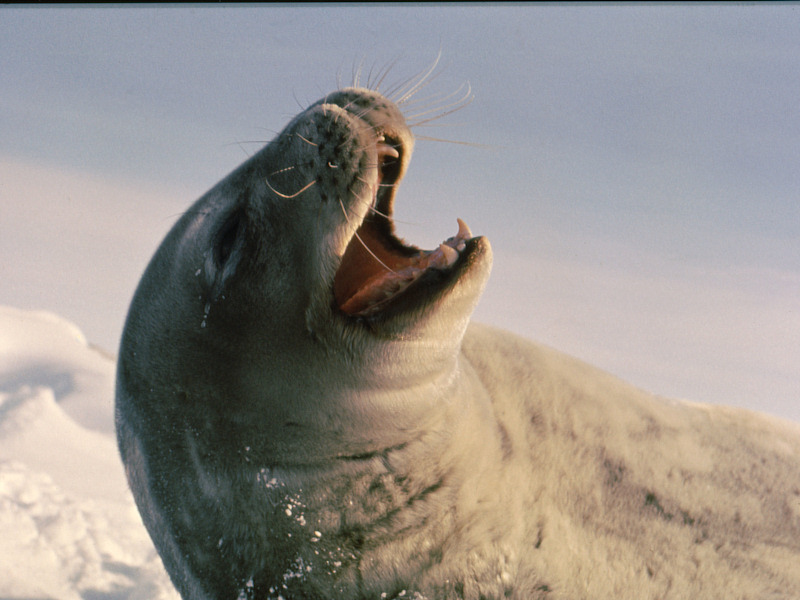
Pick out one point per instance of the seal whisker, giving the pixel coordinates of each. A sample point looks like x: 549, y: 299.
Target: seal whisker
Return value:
x: 360, y: 114
x: 397, y: 89
x: 381, y: 76
x: 283, y: 170
x: 241, y: 142
x: 358, y: 237
x: 438, y: 97
x: 189, y: 211
x: 415, y: 86
x: 377, y: 212
x: 372, y: 208
x: 357, y: 73
x: 305, y: 140
x: 464, y: 101
x: 367, y: 248
x: 434, y: 139
x: 382, y: 214
x: 367, y: 85
x: 338, y: 79
x: 300, y: 105
x: 290, y: 196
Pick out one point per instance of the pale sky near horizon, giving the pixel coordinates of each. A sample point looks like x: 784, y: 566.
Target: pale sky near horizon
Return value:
x: 636, y: 168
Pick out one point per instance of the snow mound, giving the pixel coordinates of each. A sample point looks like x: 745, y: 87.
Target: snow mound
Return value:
x: 40, y: 349
x: 68, y: 525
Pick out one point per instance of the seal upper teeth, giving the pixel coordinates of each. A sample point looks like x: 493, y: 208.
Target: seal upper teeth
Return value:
x: 385, y: 150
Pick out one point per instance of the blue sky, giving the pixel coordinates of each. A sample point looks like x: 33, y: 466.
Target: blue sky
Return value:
x: 637, y: 168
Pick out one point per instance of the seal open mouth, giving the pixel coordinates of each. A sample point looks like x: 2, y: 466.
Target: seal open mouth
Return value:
x: 377, y: 268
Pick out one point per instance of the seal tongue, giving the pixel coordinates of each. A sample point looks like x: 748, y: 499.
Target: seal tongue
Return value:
x: 371, y: 273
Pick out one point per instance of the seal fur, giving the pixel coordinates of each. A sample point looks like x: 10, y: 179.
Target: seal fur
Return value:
x: 305, y: 412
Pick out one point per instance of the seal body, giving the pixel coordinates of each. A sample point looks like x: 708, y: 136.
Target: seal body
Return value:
x: 305, y: 412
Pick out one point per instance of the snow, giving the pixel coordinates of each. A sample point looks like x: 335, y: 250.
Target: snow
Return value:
x: 68, y: 526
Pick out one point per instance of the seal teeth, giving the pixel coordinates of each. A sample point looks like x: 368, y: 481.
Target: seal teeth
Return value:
x: 450, y: 254
x: 464, y: 232
x: 385, y: 150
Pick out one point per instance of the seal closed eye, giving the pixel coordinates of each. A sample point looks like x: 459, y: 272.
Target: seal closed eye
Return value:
x: 304, y: 412
x: 228, y: 236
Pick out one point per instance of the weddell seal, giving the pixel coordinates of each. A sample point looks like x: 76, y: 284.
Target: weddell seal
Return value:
x: 305, y: 412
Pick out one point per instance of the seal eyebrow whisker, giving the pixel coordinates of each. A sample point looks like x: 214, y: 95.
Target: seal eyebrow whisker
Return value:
x: 358, y: 237
x: 289, y: 197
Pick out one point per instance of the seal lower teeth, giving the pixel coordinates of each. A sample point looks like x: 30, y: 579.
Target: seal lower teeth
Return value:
x: 450, y: 254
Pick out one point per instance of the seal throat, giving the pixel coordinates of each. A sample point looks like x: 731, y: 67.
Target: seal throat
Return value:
x: 376, y: 266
